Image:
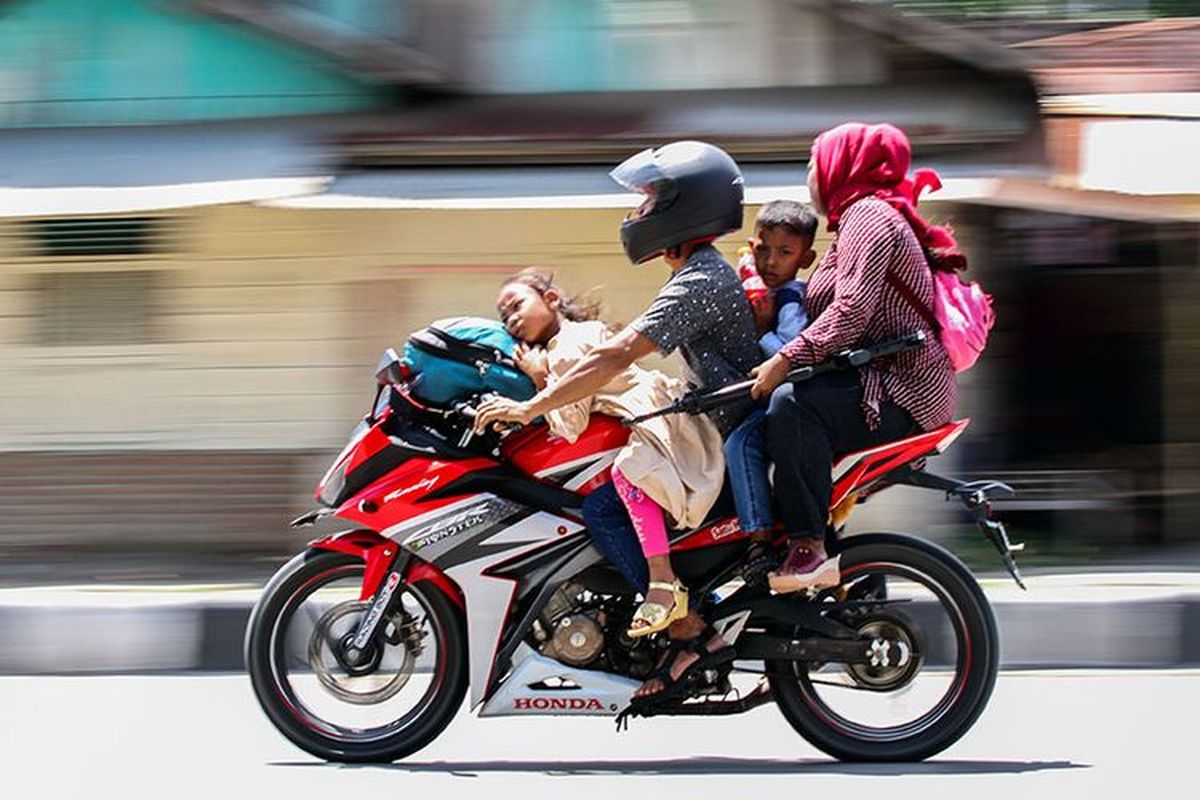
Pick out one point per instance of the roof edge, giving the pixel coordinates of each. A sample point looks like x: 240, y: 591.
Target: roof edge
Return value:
x: 928, y: 33
x: 367, y: 57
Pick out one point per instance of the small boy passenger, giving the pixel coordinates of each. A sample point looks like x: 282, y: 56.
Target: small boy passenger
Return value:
x: 782, y: 246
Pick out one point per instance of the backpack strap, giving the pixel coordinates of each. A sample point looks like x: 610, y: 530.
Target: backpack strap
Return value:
x: 913, y: 301
x: 440, y: 343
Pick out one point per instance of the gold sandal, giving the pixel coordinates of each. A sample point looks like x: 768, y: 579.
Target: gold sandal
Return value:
x: 654, y: 617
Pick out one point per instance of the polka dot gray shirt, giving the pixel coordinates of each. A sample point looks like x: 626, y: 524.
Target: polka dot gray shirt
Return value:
x: 703, y: 312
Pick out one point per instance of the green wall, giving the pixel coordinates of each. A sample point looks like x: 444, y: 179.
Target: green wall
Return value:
x: 104, y: 62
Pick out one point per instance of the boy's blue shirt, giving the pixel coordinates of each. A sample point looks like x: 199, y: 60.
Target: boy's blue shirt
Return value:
x: 790, y: 317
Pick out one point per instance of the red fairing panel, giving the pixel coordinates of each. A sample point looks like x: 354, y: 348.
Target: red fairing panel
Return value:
x: 378, y: 554
x: 404, y: 493
x: 581, y: 466
x: 375, y: 441
x: 720, y: 532
x: 357, y: 452
x: 858, y: 469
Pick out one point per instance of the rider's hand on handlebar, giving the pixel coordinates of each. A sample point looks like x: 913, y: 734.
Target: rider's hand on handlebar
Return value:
x: 501, y: 409
x: 769, y: 375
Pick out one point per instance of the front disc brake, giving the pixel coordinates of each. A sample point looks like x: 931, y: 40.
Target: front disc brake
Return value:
x: 364, y: 681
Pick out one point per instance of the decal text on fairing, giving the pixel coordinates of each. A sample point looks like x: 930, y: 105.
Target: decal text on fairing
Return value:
x: 424, y: 483
x: 557, y: 704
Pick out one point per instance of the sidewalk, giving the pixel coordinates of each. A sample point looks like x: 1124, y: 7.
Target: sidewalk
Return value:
x: 1079, y: 620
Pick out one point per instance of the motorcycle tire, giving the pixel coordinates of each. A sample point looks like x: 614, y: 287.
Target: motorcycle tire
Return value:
x: 975, y: 669
x: 263, y: 646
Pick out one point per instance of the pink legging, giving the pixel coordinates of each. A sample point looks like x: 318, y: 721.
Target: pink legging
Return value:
x: 647, y: 516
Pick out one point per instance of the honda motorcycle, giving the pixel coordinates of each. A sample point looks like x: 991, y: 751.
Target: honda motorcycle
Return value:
x: 469, y: 571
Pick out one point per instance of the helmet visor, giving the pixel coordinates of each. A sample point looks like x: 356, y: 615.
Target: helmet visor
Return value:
x: 639, y: 172
x: 643, y: 174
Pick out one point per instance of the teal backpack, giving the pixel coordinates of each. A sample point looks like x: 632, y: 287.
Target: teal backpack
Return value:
x: 453, y: 359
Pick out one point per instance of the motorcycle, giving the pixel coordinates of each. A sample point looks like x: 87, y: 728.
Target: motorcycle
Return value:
x: 469, y: 570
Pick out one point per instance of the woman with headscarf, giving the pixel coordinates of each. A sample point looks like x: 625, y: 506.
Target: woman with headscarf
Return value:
x: 882, y: 251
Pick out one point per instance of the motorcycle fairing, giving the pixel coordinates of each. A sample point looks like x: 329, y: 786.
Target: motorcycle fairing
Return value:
x: 378, y: 553
x: 855, y: 471
x: 585, y: 474
x: 407, y: 498
x: 721, y: 531
x: 468, y: 560
x: 540, y: 686
x: 480, y: 532
x: 581, y: 466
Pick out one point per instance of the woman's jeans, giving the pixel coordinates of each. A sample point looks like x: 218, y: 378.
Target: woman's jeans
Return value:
x: 746, y: 457
x: 810, y: 423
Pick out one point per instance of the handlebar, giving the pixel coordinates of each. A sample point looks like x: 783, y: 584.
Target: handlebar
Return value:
x: 464, y: 409
x: 701, y: 402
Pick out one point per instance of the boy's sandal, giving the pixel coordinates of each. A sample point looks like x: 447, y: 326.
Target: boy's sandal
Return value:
x: 654, y: 617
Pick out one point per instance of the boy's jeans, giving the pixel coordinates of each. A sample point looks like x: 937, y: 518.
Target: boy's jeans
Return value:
x: 746, y: 455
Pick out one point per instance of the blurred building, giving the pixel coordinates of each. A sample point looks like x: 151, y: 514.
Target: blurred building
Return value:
x: 1119, y: 255
x: 216, y: 213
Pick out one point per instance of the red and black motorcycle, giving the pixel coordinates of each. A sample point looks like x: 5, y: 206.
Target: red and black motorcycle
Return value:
x: 469, y: 569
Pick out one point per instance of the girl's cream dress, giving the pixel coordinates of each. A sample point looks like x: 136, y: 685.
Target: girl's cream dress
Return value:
x: 677, y: 459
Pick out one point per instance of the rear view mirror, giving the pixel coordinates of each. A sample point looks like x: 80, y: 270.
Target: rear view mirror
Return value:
x: 389, y: 368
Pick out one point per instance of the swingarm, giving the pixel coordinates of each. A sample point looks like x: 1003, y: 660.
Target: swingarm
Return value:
x: 824, y: 638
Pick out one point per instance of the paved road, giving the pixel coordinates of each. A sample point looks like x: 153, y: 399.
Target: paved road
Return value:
x: 1068, y: 734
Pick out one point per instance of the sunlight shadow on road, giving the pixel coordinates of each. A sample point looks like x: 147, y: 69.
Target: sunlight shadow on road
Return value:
x: 706, y: 765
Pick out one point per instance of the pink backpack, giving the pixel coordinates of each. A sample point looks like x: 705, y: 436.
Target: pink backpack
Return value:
x: 961, y: 317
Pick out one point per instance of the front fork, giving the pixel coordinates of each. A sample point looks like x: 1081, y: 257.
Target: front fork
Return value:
x: 358, y: 650
x: 388, y: 565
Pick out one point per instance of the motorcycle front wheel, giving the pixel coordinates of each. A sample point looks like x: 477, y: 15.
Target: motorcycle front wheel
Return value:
x: 934, y: 654
x: 377, y: 708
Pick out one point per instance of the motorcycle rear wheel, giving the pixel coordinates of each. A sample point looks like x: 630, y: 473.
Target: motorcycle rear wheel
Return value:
x: 798, y: 688
x: 294, y: 694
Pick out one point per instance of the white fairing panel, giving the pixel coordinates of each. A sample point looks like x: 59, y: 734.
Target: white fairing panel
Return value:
x: 570, y: 691
x: 589, y: 467
x: 488, y: 598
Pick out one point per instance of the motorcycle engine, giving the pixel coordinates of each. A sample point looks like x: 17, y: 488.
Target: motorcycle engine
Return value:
x: 568, y: 629
x: 576, y: 640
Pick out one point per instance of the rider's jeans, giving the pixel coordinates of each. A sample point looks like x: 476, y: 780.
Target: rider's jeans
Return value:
x: 612, y: 531
x: 609, y: 525
x: 810, y: 423
x: 746, y: 456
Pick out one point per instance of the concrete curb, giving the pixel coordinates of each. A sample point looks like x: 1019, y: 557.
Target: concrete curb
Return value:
x: 1144, y: 621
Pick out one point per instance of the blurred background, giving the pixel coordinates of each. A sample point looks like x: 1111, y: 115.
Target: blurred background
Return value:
x: 215, y: 213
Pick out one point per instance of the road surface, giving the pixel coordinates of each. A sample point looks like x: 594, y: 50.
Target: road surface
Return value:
x: 1045, y: 734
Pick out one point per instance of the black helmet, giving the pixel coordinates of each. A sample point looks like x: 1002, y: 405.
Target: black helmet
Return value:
x: 693, y: 193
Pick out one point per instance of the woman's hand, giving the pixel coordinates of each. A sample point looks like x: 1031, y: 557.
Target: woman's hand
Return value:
x: 534, y: 363
x: 502, y: 409
x: 768, y: 375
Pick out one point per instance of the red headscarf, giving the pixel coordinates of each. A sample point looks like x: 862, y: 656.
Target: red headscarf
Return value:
x: 854, y: 161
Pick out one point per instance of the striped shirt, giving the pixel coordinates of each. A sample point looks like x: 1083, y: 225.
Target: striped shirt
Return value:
x: 852, y: 305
